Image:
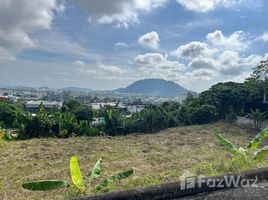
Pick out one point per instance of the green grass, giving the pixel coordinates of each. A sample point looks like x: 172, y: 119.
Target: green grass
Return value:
x: 156, y: 158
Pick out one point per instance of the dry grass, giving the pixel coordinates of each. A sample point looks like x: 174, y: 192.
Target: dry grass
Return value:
x: 155, y: 158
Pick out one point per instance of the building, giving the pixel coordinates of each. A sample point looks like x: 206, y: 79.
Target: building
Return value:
x: 32, y: 106
x: 98, y: 106
x: 10, y: 97
x: 134, y: 108
x: 4, y: 97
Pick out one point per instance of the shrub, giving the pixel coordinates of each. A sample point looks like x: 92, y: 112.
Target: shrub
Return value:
x: 204, y: 114
x: 8, y: 113
x: 36, y: 126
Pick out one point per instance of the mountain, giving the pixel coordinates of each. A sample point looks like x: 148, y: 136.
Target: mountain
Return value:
x: 155, y: 87
x: 76, y: 89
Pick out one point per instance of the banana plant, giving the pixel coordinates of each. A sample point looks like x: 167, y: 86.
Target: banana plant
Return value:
x: 253, y: 145
x: 78, y: 180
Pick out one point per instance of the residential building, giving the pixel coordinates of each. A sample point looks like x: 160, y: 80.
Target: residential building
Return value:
x: 32, y: 106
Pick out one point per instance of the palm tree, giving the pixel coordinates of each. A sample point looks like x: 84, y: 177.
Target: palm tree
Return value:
x: 258, y: 118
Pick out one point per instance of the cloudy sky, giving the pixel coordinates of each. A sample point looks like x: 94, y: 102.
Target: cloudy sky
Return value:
x: 106, y: 44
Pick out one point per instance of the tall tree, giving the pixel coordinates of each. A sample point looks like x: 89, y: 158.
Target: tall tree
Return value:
x: 260, y: 73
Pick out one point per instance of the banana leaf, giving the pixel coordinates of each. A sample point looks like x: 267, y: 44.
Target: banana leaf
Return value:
x: 254, y: 143
x: 227, y: 144
x: 113, y: 178
x: 96, y: 170
x: 76, y: 174
x: 45, y: 185
x: 261, y: 154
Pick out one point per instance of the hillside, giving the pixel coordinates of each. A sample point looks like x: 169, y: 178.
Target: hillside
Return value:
x: 155, y: 87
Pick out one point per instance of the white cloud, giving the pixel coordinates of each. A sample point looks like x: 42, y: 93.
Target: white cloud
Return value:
x: 227, y: 63
x: 235, y: 41
x: 207, y: 5
x: 58, y: 43
x: 79, y: 63
x: 158, y: 65
x: 202, y: 63
x: 201, y: 74
x: 6, y: 54
x: 121, y: 12
x: 121, y: 44
x: 240, y: 78
x: 221, y: 55
x: 99, y: 69
x: 19, y: 18
x: 264, y: 37
x: 231, y: 63
x: 111, y: 69
x: 193, y: 50
x: 150, y: 40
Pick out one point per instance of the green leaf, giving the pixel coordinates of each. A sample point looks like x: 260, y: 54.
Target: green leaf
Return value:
x: 110, y: 114
x: 254, y: 143
x: 76, y: 174
x: 40, y: 108
x: 113, y: 178
x: 225, y: 143
x: 260, y: 155
x: 96, y: 170
x: 45, y: 185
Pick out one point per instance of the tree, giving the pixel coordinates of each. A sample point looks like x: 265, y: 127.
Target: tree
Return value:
x: 71, y: 105
x: 67, y: 125
x: 204, y: 114
x: 226, y: 97
x: 113, y: 121
x: 184, y: 116
x: 36, y: 126
x: 260, y: 73
x: 84, y: 113
x: 8, y: 114
x: 255, y: 91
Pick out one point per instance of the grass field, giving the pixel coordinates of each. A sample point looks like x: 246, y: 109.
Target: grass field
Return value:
x: 156, y: 158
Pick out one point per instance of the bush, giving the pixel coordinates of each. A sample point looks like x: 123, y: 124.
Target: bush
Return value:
x: 204, y: 114
x: 83, y: 128
x: 36, y: 126
x: 8, y: 113
x: 84, y: 113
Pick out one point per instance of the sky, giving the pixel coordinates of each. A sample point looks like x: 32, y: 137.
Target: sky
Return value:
x: 108, y: 44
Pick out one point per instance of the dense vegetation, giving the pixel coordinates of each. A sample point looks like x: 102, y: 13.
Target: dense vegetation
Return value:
x: 223, y: 101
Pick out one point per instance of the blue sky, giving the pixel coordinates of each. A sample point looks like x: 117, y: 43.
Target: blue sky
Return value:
x: 107, y: 44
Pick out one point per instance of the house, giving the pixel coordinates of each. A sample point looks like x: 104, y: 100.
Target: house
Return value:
x: 32, y: 106
x: 134, y: 108
x: 98, y: 106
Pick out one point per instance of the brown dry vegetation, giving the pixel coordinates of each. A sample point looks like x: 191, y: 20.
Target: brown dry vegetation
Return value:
x: 156, y: 158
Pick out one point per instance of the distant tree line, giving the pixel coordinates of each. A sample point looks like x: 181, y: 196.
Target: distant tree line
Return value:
x: 223, y: 101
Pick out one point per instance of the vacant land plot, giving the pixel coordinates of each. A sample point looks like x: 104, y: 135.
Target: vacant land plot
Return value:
x: 156, y: 158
